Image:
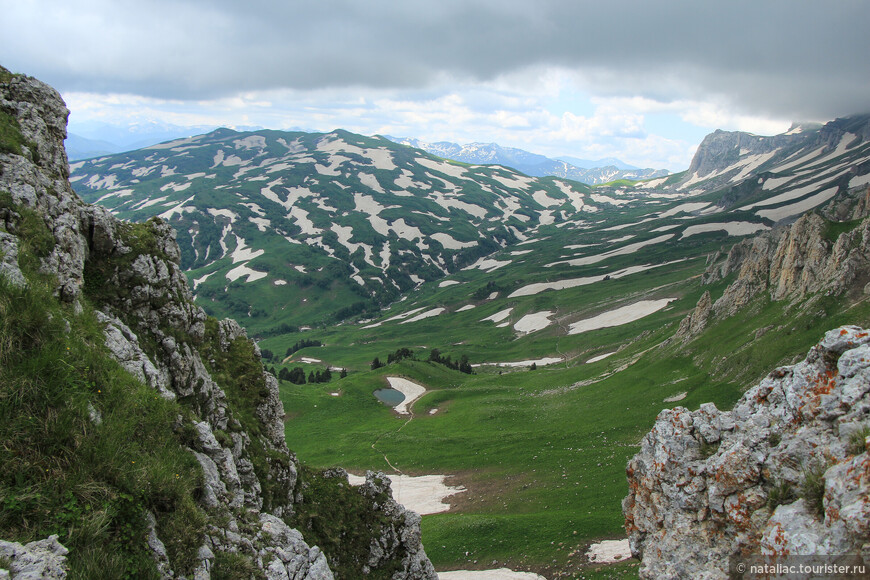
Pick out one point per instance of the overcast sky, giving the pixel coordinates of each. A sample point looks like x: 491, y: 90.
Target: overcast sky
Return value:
x: 642, y: 80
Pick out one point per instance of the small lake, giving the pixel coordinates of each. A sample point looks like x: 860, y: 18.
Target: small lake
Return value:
x: 390, y: 397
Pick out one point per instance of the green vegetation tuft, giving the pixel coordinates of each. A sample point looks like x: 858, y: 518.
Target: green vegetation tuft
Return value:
x: 858, y: 441
x: 11, y: 139
x: 812, y: 488
x: 87, y: 449
x: 234, y: 566
x: 780, y: 493
x: 342, y: 522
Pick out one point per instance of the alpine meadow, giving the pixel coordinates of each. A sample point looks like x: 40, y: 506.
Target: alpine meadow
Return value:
x: 236, y: 352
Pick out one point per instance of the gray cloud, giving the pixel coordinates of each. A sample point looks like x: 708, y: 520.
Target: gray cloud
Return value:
x: 776, y: 57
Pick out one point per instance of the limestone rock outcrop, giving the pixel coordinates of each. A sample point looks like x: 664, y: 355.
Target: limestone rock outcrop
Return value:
x: 791, y: 262
x: 787, y: 471
x: 39, y: 560
x: 130, y: 273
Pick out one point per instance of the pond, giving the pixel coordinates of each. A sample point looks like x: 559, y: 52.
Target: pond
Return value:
x: 390, y: 397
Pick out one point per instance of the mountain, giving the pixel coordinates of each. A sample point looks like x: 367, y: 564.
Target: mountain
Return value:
x: 610, y: 169
x: 582, y: 313
x: 590, y: 163
x: 142, y: 438
x: 78, y: 147
x: 361, y: 219
x: 94, y: 138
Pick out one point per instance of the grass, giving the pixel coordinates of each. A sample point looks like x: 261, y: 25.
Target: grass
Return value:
x: 812, y: 488
x: 88, y: 481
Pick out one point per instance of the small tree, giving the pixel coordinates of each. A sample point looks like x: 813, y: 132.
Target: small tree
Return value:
x: 376, y: 364
x: 533, y: 367
x: 342, y: 374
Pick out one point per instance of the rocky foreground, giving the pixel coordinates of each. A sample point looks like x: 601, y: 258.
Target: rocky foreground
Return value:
x: 130, y: 274
x: 787, y: 471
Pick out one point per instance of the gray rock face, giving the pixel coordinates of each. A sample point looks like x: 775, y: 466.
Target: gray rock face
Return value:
x: 156, y: 332
x: 401, y: 538
x: 696, y: 321
x: 9, y: 260
x: 705, y: 483
x: 795, y: 261
x: 42, y: 559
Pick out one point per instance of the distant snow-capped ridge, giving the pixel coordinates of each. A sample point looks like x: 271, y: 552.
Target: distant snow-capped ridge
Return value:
x: 532, y: 164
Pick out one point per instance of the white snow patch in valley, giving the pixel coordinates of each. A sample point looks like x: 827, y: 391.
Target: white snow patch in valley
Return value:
x: 521, y: 252
x: 675, y: 398
x: 487, y: 264
x: 447, y: 283
x: 370, y: 181
x: 620, y: 316
x: 595, y: 359
x: 443, y: 167
x: 280, y: 282
x: 574, y: 197
x: 243, y: 253
x: 450, y: 243
x: 423, y: 315
x: 859, y: 180
x: 538, y: 287
x: 609, y: 551
x: 684, y: 208
x: 200, y: 280
x: 466, y: 307
x: 514, y: 181
x: 141, y: 204
x: 250, y: 142
x: 494, y: 574
x: 262, y: 223
x: 242, y: 270
x: 774, y: 182
x: 305, y: 224
x: 534, y: 322
x: 787, y: 196
x: 522, y: 363
x: 665, y: 228
x: 545, y: 200
x: 731, y: 228
x: 498, y: 316
x: 423, y: 494
x: 800, y: 207
x: 598, y: 198
x: 229, y: 214
x: 411, y: 390
x: 629, y: 249
x: 178, y: 208
x: 750, y: 163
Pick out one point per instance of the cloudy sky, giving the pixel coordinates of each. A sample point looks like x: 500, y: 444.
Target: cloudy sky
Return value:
x: 641, y: 80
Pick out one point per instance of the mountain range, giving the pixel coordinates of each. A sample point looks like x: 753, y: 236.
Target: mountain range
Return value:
x: 366, y: 220
x: 576, y: 314
x: 583, y: 170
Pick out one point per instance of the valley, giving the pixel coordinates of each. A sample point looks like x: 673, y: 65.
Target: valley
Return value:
x: 567, y: 301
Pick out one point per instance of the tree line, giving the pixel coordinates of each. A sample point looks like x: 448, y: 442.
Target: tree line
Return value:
x: 435, y: 356
x: 297, y: 375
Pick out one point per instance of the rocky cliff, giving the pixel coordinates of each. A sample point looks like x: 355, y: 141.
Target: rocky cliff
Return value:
x: 786, y: 472
x: 822, y: 253
x: 229, y: 415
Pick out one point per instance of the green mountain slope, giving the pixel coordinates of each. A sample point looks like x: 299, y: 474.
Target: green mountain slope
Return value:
x: 601, y: 290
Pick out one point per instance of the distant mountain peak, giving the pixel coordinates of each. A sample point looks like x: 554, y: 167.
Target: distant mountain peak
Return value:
x: 533, y: 164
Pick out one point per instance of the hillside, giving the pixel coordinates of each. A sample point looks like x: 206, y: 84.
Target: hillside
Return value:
x: 582, y: 312
x: 141, y: 437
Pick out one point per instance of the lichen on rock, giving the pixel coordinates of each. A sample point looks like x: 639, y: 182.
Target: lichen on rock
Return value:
x: 708, y: 485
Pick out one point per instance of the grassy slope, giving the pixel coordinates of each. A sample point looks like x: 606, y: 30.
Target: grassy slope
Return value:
x: 66, y: 473
x: 540, y: 465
